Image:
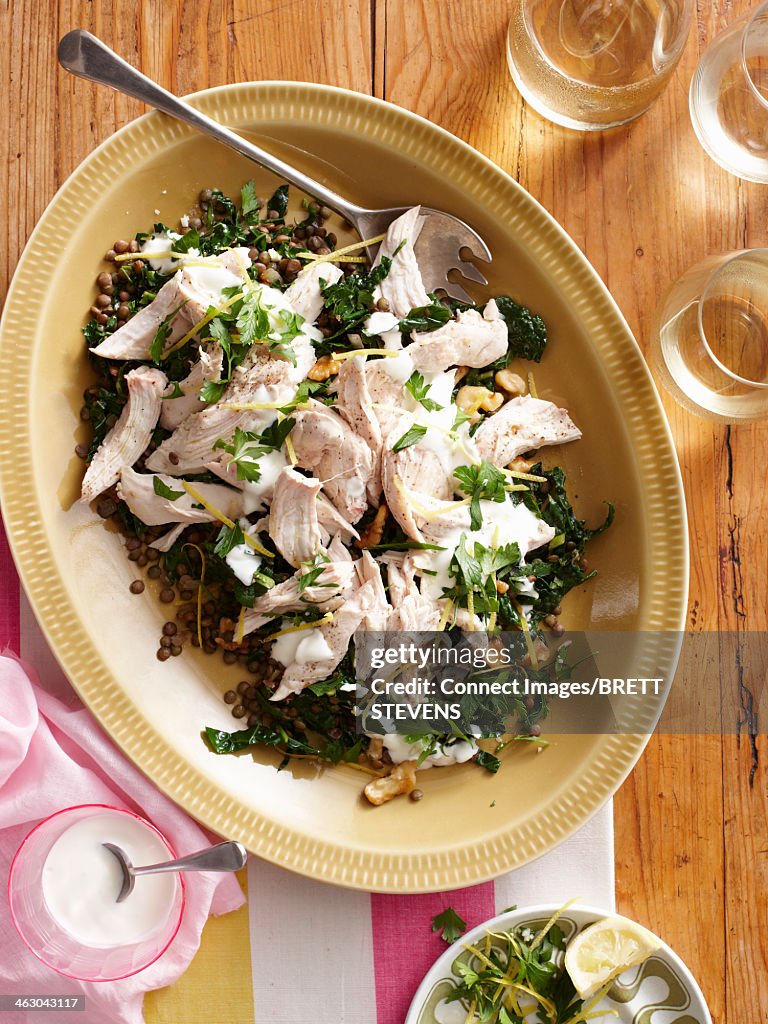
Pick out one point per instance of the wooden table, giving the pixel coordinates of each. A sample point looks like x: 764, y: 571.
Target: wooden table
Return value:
x: 642, y: 203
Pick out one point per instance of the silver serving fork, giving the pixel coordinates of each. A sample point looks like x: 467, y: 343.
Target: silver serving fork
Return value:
x: 443, y: 237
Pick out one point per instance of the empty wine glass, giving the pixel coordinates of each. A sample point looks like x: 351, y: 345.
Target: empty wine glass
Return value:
x: 729, y: 97
x: 710, y: 337
x: 594, y: 64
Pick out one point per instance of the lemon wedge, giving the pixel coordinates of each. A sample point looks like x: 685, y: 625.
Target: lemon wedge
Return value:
x: 604, y: 949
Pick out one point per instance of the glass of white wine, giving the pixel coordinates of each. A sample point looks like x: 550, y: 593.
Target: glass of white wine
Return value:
x: 710, y: 337
x: 729, y: 97
x: 595, y: 64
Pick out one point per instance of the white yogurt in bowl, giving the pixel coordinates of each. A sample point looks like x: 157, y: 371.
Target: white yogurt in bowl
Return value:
x: 63, y: 887
x: 81, y: 880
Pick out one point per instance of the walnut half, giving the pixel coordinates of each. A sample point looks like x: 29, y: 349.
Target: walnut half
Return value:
x: 373, y: 532
x: 471, y: 399
x: 401, y: 780
x: 325, y: 367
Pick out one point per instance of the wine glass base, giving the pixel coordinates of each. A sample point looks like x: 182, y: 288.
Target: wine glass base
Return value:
x: 717, y: 157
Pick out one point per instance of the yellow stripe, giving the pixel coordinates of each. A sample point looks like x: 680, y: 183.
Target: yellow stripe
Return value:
x: 218, y: 984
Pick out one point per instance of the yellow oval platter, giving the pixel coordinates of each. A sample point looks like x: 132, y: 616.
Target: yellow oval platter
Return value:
x: 471, y: 825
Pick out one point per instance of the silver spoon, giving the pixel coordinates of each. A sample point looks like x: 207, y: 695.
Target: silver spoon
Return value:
x: 222, y: 857
x: 442, y: 238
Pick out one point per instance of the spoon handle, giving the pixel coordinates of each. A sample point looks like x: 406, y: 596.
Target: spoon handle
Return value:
x: 222, y: 857
x: 84, y: 55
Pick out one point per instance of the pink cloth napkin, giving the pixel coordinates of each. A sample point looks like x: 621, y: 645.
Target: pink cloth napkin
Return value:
x: 52, y: 756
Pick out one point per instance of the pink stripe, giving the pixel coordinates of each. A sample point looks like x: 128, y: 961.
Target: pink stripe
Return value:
x: 9, y: 597
x: 405, y: 947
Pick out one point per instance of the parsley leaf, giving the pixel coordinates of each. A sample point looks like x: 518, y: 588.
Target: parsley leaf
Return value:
x: 219, y: 332
x: 410, y: 437
x: 191, y: 240
x: 228, y: 537
x: 482, y: 481
x: 252, y: 319
x: 461, y: 417
x: 272, y: 438
x: 248, y: 199
x: 425, y: 318
x: 177, y: 390
x: 245, y: 447
x: 450, y: 925
x: 163, y: 491
x: 212, y: 390
x: 303, y: 392
x: 292, y: 328
x: 157, y: 346
x: 417, y: 386
x: 475, y: 572
x: 314, y: 568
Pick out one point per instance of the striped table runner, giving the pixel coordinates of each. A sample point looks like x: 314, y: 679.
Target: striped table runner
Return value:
x: 301, y: 951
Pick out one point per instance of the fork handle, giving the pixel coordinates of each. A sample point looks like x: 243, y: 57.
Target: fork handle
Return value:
x: 84, y: 55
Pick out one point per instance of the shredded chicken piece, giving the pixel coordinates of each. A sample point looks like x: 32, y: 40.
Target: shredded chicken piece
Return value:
x: 191, y: 291
x: 523, y: 424
x: 400, y: 576
x: 403, y: 287
x: 415, y: 613
x: 325, y: 444
x: 332, y: 522
x: 469, y: 340
x: 337, y: 634
x: 207, y: 368
x: 138, y: 492
x: 190, y: 448
x: 130, y: 435
x: 337, y: 552
x: 378, y: 611
x: 305, y: 293
x: 262, y: 367
x: 169, y: 538
x: 293, y: 523
x: 354, y: 402
x: 413, y: 470
x: 329, y: 590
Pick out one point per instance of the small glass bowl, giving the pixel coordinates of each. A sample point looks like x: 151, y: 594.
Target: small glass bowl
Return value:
x: 45, y: 937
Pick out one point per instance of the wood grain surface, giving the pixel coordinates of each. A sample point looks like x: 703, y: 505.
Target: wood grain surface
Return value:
x: 643, y: 203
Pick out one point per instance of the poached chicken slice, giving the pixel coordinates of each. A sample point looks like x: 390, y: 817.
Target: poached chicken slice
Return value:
x: 403, y: 287
x: 138, y: 492
x: 328, y: 591
x: 130, y: 435
x: 299, y: 674
x: 293, y: 521
x: 325, y: 444
x: 305, y: 293
x: 523, y: 424
x: 471, y: 339
x: 190, y: 292
x: 412, y: 475
x: 190, y: 448
x: 354, y: 402
x: 208, y: 367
